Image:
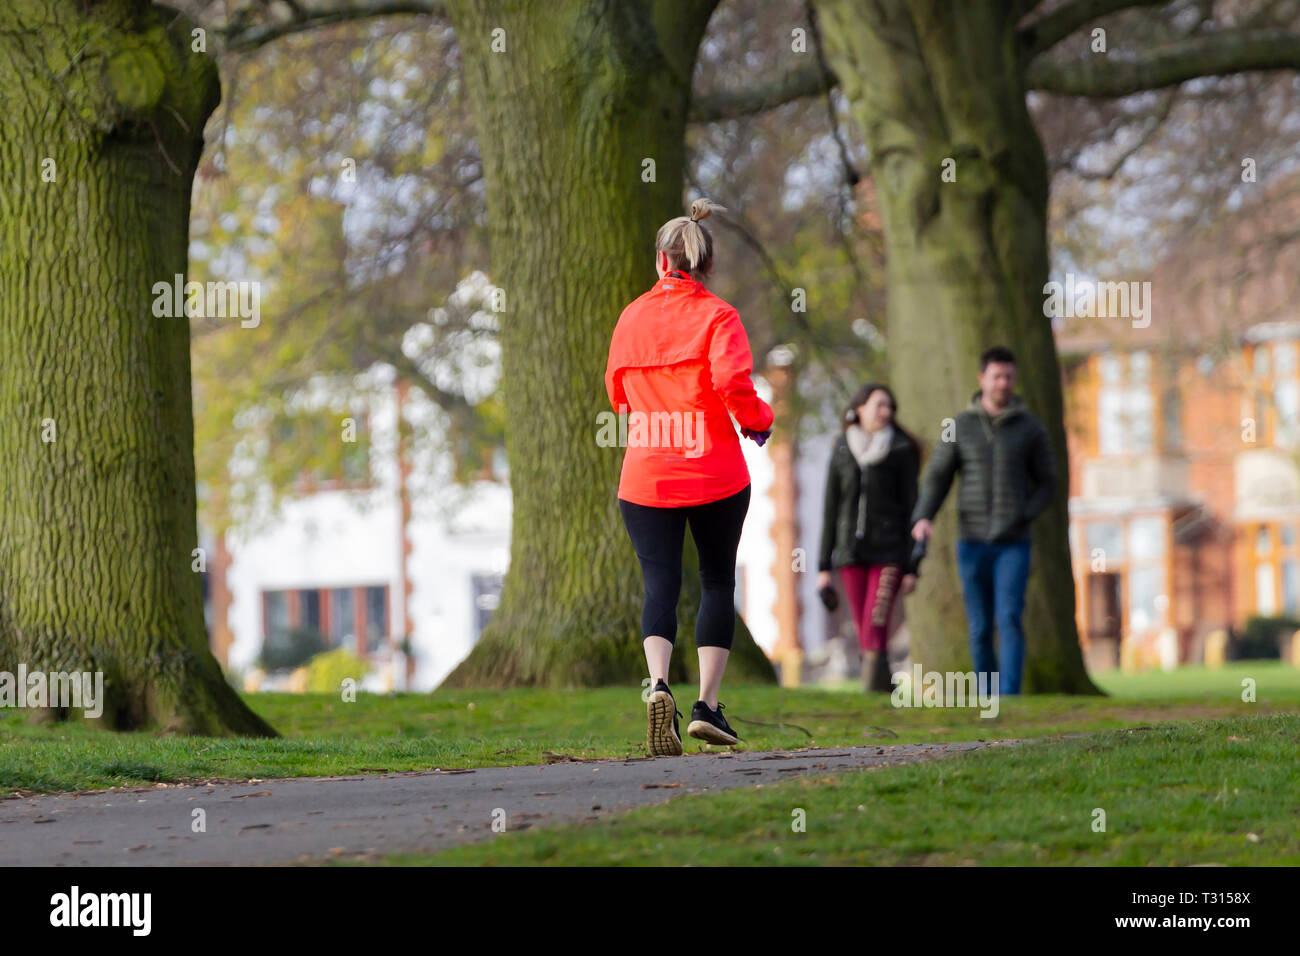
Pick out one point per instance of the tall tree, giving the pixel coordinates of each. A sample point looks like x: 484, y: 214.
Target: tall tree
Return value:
x: 941, y: 88
x: 102, y: 109
x: 581, y: 110
x: 966, y: 261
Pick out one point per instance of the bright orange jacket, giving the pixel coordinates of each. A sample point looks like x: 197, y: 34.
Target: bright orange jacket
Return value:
x: 679, y: 361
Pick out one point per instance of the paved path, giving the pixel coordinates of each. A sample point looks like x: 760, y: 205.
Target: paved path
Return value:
x: 305, y: 819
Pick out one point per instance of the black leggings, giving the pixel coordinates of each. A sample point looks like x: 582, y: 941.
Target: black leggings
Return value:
x: 658, y: 535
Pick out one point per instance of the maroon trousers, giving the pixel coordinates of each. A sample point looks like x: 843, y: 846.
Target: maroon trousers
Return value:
x: 871, y: 590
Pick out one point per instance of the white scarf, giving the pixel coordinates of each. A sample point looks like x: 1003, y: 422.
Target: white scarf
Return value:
x: 869, y: 447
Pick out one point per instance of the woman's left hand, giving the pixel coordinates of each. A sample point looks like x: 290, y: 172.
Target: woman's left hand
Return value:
x: 908, y: 585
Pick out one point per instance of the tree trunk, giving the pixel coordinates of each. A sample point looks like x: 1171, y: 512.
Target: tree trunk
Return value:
x: 574, y: 99
x: 101, y: 124
x: 931, y: 82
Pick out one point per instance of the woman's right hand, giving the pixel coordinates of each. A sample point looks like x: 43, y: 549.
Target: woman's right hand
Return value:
x: 823, y: 579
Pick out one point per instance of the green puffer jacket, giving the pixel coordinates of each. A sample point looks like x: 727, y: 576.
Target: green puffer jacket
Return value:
x: 866, y: 510
x: 1007, y: 473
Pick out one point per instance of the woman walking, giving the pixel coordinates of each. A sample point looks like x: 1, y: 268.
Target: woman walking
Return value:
x: 679, y: 362
x: 870, y: 493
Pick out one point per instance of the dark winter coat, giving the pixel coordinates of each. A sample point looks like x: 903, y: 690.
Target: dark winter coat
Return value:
x: 875, y: 530
x: 1007, y: 473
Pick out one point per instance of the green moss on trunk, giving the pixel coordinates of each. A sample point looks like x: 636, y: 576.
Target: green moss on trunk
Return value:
x: 568, y: 113
x: 929, y: 82
x: 98, y: 523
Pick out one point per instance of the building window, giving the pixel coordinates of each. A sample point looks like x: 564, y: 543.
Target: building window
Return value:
x: 1275, y: 393
x: 1265, y: 599
x: 337, y: 615
x: 275, y: 616
x: 485, y: 591
x: 376, y: 619
x: 1275, y: 568
x: 1284, y: 358
x: 1143, y: 591
x: 1139, y: 368
x: 1291, y: 586
x: 1129, y: 559
x: 1146, y: 571
x: 1125, y: 405
x: 1105, y: 537
x: 1286, y: 398
x: 343, y: 624
x: 309, y: 611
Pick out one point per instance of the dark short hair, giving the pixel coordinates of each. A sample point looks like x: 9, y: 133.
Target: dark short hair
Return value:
x: 998, y: 353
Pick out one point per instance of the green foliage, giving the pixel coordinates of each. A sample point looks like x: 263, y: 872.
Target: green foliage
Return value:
x: 1261, y: 638
x: 326, y: 672
x: 285, y: 650
x: 352, y: 200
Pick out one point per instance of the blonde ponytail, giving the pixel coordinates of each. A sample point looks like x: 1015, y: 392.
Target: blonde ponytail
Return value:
x: 687, y: 243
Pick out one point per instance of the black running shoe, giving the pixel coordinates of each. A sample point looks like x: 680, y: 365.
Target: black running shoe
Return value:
x: 710, y: 726
x: 662, y: 737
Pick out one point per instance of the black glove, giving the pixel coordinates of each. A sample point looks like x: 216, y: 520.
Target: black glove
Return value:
x: 829, y: 598
x: 918, y: 553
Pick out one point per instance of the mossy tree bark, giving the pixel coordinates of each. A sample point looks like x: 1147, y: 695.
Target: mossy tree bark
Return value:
x: 573, y: 100
x: 102, y: 109
x: 936, y: 85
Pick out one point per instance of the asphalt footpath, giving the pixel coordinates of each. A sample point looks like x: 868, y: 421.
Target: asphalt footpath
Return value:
x: 313, y: 819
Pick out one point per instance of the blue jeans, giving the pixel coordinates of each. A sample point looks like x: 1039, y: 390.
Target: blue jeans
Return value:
x: 993, y: 578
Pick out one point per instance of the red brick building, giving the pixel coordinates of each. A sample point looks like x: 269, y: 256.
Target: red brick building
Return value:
x: 1184, y: 433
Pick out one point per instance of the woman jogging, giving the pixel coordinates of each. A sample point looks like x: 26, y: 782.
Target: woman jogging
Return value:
x: 679, y: 361
x: 866, y: 533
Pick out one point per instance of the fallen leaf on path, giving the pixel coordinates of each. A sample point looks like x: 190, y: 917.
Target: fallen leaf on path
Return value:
x: 551, y: 756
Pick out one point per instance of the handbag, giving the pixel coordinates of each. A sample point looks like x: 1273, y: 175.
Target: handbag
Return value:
x: 829, y: 597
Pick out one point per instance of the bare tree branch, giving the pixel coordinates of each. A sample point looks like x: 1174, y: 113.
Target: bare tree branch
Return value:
x: 1211, y: 54
x: 1053, y: 27
x: 1153, y: 124
x: 244, y: 34
x: 811, y: 79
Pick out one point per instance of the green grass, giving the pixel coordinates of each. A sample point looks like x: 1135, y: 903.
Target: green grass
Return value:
x: 1194, y: 679
x: 1221, y: 791
x: 452, y: 729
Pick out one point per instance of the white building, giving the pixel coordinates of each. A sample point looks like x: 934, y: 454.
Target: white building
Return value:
x: 342, y: 561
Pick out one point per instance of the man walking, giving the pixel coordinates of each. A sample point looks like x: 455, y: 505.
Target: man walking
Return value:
x: 1008, y: 479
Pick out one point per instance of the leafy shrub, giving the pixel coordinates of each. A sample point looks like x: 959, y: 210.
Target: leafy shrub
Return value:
x: 289, y: 649
x: 326, y: 672
x: 1262, y: 638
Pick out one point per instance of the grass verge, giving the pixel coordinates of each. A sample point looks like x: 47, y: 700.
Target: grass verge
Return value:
x: 1217, y: 791
x: 454, y: 729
